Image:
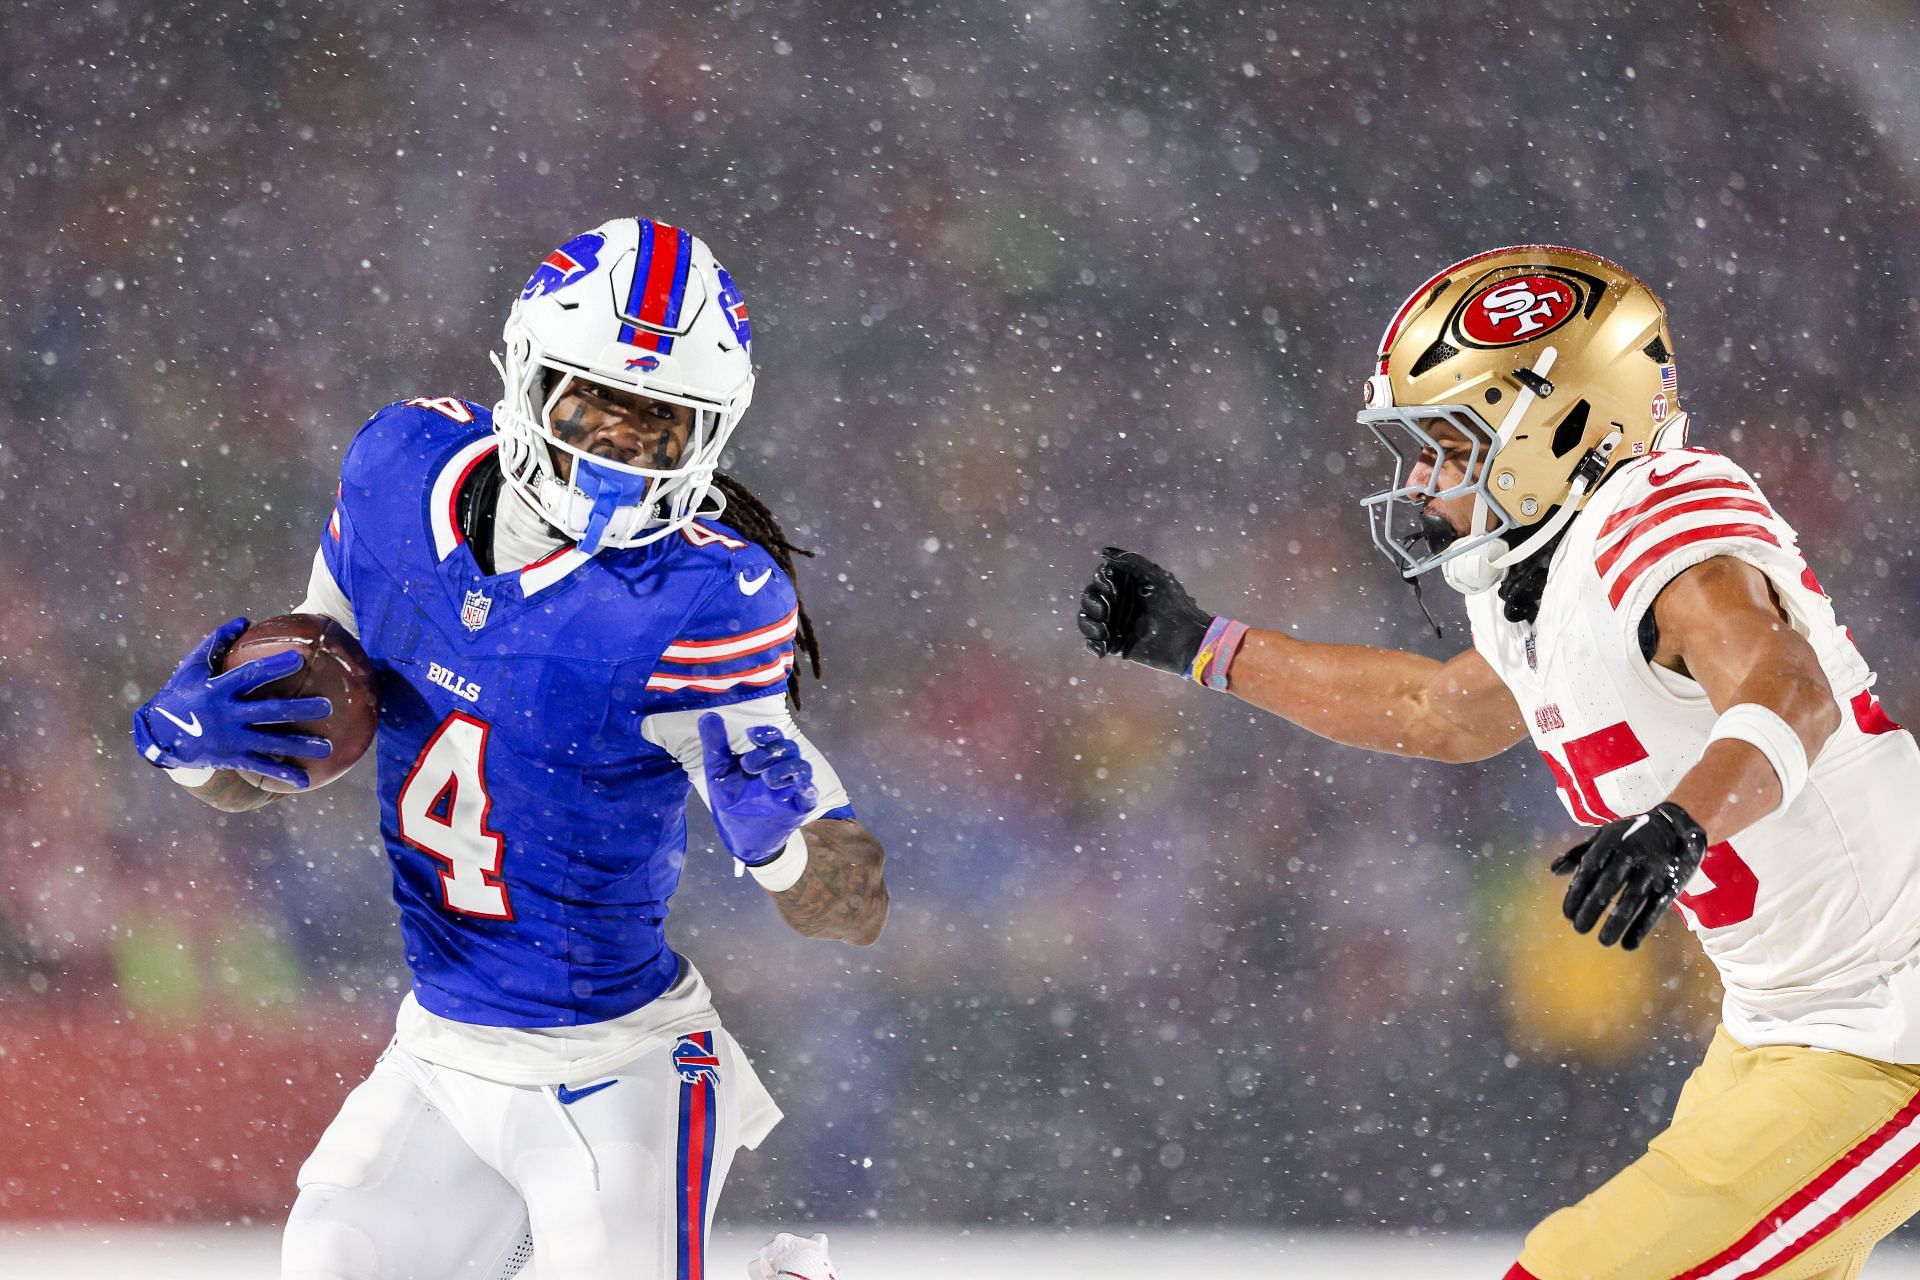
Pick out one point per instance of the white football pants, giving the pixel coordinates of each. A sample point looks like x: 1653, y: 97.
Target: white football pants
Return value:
x: 429, y: 1173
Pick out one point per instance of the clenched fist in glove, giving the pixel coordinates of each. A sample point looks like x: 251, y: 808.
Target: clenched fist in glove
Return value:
x: 1645, y: 859
x: 1139, y: 611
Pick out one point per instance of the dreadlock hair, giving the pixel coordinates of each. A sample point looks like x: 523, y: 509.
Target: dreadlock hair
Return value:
x: 754, y: 521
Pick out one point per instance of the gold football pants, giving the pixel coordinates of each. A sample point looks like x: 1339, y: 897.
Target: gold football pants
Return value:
x: 1781, y: 1161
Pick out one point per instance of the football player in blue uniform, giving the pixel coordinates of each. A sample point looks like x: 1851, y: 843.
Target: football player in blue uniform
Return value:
x: 568, y: 639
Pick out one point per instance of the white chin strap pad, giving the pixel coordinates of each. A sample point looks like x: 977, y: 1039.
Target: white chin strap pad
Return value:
x: 1475, y: 571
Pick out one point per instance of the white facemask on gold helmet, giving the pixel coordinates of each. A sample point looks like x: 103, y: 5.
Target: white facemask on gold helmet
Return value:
x: 1555, y: 364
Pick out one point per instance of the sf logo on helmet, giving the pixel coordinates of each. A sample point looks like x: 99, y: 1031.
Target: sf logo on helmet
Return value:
x: 564, y: 265
x: 1518, y: 310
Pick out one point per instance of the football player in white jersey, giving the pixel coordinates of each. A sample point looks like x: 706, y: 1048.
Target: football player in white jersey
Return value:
x: 1645, y: 614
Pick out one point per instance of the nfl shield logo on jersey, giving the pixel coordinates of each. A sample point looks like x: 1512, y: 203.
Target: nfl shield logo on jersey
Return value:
x: 474, y: 612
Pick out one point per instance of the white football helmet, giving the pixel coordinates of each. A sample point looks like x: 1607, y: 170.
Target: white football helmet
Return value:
x: 642, y: 307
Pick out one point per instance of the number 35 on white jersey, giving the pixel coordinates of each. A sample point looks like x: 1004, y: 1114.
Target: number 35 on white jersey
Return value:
x: 1811, y: 915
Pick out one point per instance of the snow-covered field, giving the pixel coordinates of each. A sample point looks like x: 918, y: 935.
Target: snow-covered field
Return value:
x: 863, y: 1253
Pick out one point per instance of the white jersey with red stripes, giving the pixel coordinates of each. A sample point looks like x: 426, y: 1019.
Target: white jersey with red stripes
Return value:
x: 1811, y: 915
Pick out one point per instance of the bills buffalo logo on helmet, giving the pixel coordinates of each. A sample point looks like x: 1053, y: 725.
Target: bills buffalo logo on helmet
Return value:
x: 1518, y: 309
x: 694, y: 1060
x: 645, y: 364
x: 565, y: 265
x: 735, y: 308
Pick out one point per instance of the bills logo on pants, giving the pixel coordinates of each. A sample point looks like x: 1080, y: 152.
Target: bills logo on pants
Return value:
x: 698, y: 1065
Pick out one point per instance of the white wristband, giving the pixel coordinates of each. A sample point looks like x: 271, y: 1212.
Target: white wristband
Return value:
x: 784, y: 871
x: 189, y: 776
x: 1764, y: 730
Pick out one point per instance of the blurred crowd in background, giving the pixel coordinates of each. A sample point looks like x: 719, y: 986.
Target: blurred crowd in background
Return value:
x: 1025, y: 280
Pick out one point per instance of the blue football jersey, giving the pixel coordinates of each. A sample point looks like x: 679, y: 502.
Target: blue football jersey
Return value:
x: 535, y: 835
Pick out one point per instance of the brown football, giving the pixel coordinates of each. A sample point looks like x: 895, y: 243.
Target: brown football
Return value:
x: 336, y: 668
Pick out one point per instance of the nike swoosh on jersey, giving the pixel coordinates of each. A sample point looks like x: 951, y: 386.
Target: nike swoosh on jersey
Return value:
x: 570, y: 1096
x: 191, y: 724
x: 749, y: 586
x: 1655, y: 479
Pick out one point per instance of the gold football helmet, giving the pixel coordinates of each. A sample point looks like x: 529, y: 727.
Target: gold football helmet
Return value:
x: 1556, y: 365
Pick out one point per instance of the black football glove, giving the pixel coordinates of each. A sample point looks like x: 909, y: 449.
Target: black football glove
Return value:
x: 1138, y: 610
x: 1647, y: 859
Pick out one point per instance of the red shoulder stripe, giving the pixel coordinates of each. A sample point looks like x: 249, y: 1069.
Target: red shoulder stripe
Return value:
x: 1608, y: 558
x: 1659, y: 550
x: 1658, y: 496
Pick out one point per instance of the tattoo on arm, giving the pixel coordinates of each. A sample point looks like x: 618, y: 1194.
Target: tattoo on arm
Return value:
x: 228, y: 792
x: 842, y: 895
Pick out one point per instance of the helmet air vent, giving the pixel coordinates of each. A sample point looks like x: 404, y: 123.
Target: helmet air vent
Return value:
x: 1657, y: 351
x: 1571, y: 431
x: 1440, y: 351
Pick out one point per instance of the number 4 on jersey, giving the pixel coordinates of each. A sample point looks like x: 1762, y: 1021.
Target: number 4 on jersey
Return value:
x: 1731, y: 898
x: 443, y: 811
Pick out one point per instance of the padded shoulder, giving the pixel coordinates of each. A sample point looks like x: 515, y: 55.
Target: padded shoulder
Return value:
x: 407, y: 434
x: 1667, y: 512
x: 746, y: 590
x: 1667, y: 472
x: 738, y: 639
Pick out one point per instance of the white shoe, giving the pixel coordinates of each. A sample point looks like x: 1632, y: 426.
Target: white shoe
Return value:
x: 791, y: 1256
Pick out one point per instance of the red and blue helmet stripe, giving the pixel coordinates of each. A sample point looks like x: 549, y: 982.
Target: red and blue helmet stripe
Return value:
x: 659, y: 287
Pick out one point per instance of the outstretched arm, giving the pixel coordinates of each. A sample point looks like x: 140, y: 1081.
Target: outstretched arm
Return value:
x: 842, y: 895
x: 1379, y: 699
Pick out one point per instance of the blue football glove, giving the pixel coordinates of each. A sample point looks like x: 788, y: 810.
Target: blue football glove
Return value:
x: 202, y: 719
x: 758, y: 799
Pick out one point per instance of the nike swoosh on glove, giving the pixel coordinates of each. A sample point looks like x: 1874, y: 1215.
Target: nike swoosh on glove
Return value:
x: 760, y: 797
x: 203, y: 719
x: 1644, y: 860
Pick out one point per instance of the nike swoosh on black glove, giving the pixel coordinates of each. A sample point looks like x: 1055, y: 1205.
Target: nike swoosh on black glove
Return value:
x: 1646, y: 860
x: 1139, y: 611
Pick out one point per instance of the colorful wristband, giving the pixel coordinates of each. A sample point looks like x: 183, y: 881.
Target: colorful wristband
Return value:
x: 1217, y: 651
